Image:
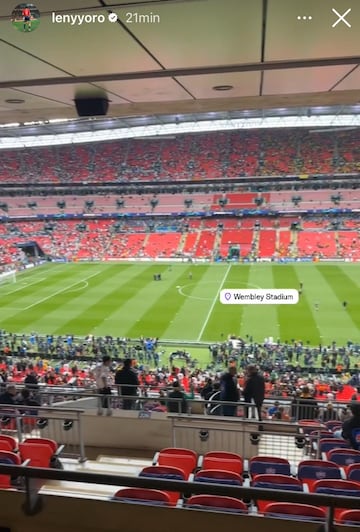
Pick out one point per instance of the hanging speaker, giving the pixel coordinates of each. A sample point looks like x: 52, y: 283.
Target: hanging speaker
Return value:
x: 92, y: 106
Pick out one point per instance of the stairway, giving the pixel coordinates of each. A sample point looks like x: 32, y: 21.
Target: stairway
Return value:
x: 294, y: 248
x: 255, y: 243
x: 181, y: 245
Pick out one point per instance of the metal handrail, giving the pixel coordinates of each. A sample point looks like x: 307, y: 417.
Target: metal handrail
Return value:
x: 33, y: 498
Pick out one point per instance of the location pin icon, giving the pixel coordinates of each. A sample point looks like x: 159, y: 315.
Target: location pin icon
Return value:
x: 227, y: 296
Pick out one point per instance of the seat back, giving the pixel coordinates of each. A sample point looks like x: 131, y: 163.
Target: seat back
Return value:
x: 326, y: 444
x: 353, y: 472
x: 338, y: 488
x: 298, y: 511
x: 334, y: 487
x: 343, y: 457
x: 234, y: 466
x: 270, y: 465
x: 144, y: 495
x: 308, y: 425
x: 9, y: 440
x: 5, y: 446
x: 43, y: 441
x: 168, y: 473
x: 275, y: 482
x: 349, y: 516
x: 219, y: 476
x: 38, y: 454
x: 7, y: 457
x: 182, y: 458
x: 310, y: 471
x: 227, y: 504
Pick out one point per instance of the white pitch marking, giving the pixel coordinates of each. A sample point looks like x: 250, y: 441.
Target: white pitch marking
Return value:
x: 85, y: 284
x: 216, y: 298
x: 60, y: 291
x: 25, y: 286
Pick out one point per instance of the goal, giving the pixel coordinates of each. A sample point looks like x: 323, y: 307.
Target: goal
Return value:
x: 8, y: 277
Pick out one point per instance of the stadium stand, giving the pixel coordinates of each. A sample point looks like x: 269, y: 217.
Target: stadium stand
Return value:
x: 204, y: 156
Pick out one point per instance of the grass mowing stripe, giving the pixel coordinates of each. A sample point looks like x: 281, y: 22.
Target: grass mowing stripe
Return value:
x: 85, y: 304
x: 12, y: 314
x: 215, y: 300
x: 62, y: 290
x: 345, y: 289
x: 112, y: 297
x: 331, y: 320
x: 226, y: 319
x: 163, y: 310
x: 260, y: 321
x: 296, y: 321
x: 193, y: 303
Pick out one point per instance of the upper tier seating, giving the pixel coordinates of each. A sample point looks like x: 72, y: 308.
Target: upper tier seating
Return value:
x: 186, y: 157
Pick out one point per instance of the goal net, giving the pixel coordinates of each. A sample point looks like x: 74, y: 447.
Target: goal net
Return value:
x: 8, y: 277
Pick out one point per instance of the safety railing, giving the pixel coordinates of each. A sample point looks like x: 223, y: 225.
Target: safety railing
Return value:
x: 64, y: 425
x: 248, y: 438
x: 145, y: 397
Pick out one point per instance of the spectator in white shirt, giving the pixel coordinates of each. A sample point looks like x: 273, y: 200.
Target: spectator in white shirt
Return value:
x: 103, y: 384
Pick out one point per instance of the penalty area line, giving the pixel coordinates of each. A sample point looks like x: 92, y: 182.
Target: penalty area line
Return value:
x: 61, y: 290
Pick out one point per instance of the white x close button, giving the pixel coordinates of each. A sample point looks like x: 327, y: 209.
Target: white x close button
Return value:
x: 341, y: 18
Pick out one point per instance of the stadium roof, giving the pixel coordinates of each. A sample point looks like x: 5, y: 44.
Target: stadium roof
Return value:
x: 161, y: 61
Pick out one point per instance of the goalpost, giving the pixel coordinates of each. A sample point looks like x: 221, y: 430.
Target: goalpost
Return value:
x: 8, y: 277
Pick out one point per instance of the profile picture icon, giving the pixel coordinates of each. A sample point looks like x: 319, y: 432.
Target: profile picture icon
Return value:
x: 25, y: 17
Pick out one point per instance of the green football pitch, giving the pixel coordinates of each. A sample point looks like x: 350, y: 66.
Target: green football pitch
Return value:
x: 124, y: 300
x: 19, y: 25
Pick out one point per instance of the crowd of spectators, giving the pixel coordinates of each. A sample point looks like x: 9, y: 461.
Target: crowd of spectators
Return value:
x: 291, y: 372
x: 207, y: 155
x: 109, y: 239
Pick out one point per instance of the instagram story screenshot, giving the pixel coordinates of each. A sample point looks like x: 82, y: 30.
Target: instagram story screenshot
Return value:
x: 197, y: 161
x: 179, y: 239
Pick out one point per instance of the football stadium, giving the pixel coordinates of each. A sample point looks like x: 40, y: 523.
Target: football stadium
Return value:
x: 179, y: 265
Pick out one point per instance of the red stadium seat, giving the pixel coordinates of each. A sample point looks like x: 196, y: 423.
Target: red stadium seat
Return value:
x: 309, y: 471
x: 309, y: 425
x: 270, y: 465
x: 165, y: 472
x: 289, y: 510
x: 39, y: 454
x: 224, y: 461
x: 326, y: 444
x: 275, y: 482
x: 5, y: 446
x: 9, y: 440
x: 340, y: 488
x: 353, y: 472
x: 218, y: 476
x: 7, y: 457
x: 184, y: 459
x: 227, y: 504
x: 349, y: 517
x: 143, y: 495
x: 343, y: 457
x: 43, y: 441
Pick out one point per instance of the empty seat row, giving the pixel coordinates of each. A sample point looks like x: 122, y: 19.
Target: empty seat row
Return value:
x: 303, y: 512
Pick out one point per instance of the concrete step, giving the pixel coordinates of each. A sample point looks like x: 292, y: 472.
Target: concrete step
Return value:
x: 124, y: 461
x: 79, y: 489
